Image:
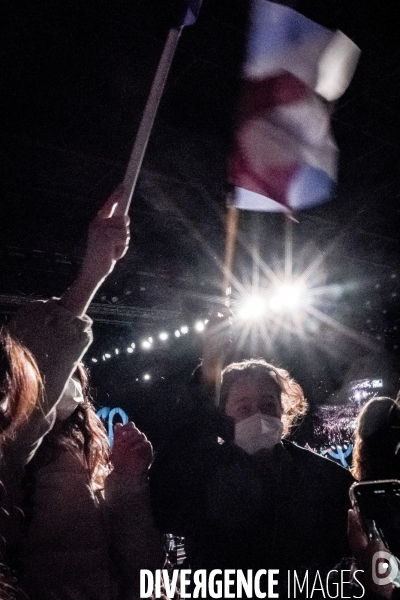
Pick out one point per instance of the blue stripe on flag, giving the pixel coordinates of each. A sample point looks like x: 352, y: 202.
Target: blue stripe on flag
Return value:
x: 309, y: 187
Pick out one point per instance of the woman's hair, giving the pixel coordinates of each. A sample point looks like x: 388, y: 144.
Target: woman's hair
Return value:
x: 376, y: 438
x: 82, y: 434
x: 20, y: 385
x: 292, y: 399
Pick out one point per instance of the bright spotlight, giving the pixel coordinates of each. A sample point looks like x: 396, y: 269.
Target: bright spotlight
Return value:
x: 107, y: 355
x: 133, y: 345
x: 199, y: 326
x: 116, y: 351
x: 253, y: 308
x: 146, y: 345
x: 288, y: 296
x: 147, y: 376
x: 129, y: 350
x: 94, y: 360
x: 184, y: 329
x: 177, y: 333
x: 163, y: 336
x: 150, y: 339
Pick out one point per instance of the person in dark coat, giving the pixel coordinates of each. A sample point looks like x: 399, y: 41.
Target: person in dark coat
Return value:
x: 241, y: 495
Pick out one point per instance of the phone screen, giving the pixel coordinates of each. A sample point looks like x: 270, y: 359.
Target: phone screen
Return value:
x: 379, y: 505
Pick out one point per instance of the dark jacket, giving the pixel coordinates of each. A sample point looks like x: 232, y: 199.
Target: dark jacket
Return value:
x: 285, y: 511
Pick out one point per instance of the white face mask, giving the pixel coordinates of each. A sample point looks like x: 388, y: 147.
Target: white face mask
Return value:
x: 257, y: 432
x: 71, y: 398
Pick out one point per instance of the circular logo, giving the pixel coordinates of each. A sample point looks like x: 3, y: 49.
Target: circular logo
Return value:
x: 384, y: 568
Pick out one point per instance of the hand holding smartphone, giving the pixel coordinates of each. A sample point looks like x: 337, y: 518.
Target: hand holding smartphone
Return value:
x: 377, y: 504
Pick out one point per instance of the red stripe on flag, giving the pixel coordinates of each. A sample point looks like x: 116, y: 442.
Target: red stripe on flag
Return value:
x: 259, y: 96
x: 271, y: 181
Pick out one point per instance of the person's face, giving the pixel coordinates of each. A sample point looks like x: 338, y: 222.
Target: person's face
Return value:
x: 248, y: 397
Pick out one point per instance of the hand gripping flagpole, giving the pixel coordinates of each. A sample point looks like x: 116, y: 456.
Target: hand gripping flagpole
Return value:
x: 146, y: 124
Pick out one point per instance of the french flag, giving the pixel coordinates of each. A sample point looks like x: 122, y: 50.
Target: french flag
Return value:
x: 284, y: 156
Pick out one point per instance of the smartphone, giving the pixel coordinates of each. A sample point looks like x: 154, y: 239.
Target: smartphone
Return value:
x: 378, y: 504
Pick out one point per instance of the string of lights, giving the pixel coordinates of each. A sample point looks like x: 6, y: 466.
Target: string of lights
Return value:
x: 288, y: 299
x: 151, y: 342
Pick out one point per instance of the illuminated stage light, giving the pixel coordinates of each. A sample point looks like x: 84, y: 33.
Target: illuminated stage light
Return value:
x: 254, y: 308
x: 133, y: 345
x: 177, y: 333
x: 377, y: 383
x: 199, y: 326
x: 163, y: 336
x: 147, y: 376
x: 146, y: 345
x: 184, y: 329
x: 94, y: 360
x: 116, y: 351
x: 129, y: 350
x: 107, y: 355
x: 288, y: 296
x: 150, y: 339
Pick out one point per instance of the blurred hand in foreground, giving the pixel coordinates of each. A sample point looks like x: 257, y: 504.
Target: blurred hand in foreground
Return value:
x: 108, y: 238
x: 364, y: 551
x: 132, y: 453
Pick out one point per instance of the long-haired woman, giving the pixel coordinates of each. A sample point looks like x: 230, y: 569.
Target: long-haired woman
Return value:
x: 377, y: 441
x: 84, y: 509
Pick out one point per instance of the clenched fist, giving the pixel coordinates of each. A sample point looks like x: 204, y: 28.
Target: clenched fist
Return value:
x: 132, y: 453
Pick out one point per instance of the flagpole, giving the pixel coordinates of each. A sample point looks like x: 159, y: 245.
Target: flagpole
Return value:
x: 146, y: 124
x: 232, y: 218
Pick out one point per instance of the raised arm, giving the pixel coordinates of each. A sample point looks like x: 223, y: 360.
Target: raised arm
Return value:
x: 135, y: 541
x: 216, y: 344
x: 108, y: 241
x: 57, y: 331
